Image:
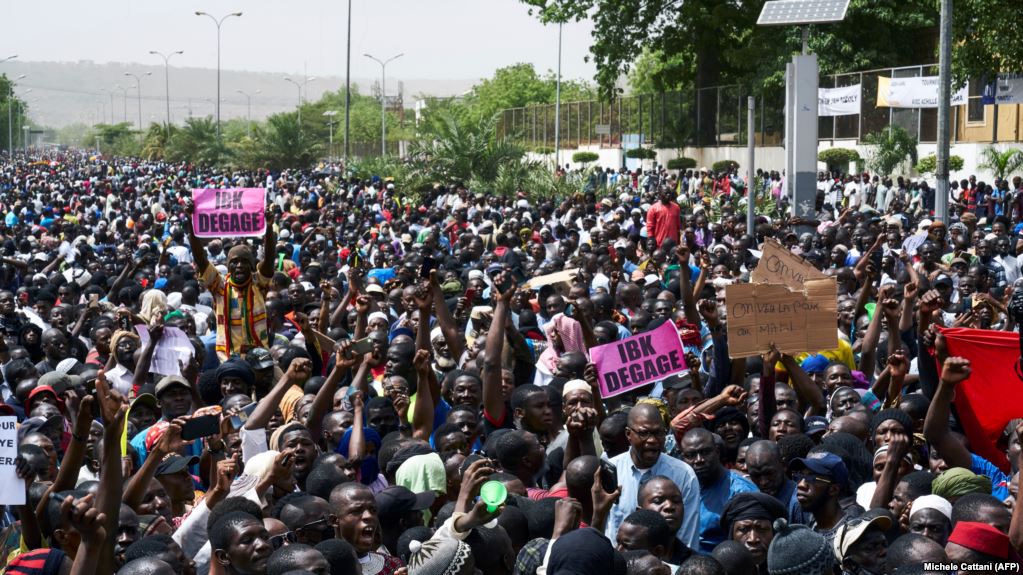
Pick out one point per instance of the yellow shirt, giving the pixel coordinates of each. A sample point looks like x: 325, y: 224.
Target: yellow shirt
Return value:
x: 241, y: 312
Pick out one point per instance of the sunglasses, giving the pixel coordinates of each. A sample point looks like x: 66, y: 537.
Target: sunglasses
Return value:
x: 278, y: 541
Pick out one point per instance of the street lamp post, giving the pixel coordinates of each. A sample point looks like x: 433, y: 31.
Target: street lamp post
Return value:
x: 383, y: 98
x: 330, y: 124
x: 125, y: 113
x: 138, y: 88
x: 348, y: 85
x: 248, y: 103
x: 166, y: 79
x: 301, y: 86
x: 218, y: 22
x: 10, y: 116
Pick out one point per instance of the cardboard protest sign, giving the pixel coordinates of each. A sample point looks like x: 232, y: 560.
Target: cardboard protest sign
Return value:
x: 231, y: 212
x: 778, y: 265
x: 639, y: 360
x: 794, y: 320
x: 563, y: 276
x: 12, y: 488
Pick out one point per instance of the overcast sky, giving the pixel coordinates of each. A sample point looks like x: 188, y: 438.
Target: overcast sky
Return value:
x: 441, y: 39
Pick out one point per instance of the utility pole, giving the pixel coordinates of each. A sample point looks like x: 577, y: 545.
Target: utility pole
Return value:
x: 751, y: 205
x: 941, y: 184
x: 557, y: 109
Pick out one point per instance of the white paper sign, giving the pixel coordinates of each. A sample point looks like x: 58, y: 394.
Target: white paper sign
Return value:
x: 838, y: 101
x: 12, y: 487
x: 173, y: 347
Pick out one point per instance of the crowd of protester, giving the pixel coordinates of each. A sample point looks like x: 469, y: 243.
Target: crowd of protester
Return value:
x: 330, y: 398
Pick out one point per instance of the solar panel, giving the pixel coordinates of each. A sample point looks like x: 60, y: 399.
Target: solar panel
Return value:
x: 794, y: 12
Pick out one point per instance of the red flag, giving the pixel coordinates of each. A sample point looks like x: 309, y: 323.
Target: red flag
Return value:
x: 993, y: 395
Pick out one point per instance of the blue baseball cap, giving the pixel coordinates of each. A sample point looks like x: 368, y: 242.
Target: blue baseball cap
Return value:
x: 825, y: 464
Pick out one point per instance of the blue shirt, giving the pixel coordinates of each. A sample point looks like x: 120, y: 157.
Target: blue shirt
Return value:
x: 713, y: 499
x: 631, y: 477
x: 999, y: 480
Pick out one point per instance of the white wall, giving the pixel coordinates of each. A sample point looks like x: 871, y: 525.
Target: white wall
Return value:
x: 773, y: 157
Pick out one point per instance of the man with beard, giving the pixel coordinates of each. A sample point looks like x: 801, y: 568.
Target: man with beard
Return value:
x: 819, y: 480
x: 718, y: 485
x: 239, y: 298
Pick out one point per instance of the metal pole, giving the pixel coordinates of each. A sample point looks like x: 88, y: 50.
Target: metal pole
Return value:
x: 751, y: 205
x: 557, y: 107
x: 348, y: 74
x: 218, y: 23
x: 944, y: 100
x: 383, y: 109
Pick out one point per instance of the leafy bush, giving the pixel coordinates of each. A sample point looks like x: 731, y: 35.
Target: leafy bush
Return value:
x: 724, y: 165
x: 545, y: 150
x: 681, y: 163
x: 585, y: 157
x: 641, y: 154
x: 928, y: 164
x: 838, y: 159
x: 889, y: 149
x: 1001, y: 163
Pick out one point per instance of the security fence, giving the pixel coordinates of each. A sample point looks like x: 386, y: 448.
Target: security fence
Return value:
x: 716, y: 116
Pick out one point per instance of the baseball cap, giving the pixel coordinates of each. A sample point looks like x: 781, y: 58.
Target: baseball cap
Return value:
x: 851, y: 531
x: 143, y: 399
x: 56, y: 381
x: 826, y: 464
x: 816, y: 424
x: 175, y: 463
x: 34, y: 424
x: 259, y: 358
x: 942, y: 279
x: 395, y: 501
x: 169, y: 382
x: 374, y: 288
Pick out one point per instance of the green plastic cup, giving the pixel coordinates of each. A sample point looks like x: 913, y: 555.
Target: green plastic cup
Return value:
x: 494, y: 494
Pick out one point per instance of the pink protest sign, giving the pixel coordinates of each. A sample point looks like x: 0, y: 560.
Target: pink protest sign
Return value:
x: 230, y: 212
x: 639, y: 360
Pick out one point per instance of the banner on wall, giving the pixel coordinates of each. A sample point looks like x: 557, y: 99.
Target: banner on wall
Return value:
x: 843, y: 101
x: 918, y: 92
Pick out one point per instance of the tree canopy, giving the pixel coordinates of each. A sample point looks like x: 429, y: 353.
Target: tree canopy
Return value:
x: 675, y: 43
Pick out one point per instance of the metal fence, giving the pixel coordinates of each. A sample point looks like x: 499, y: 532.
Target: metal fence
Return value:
x: 716, y: 116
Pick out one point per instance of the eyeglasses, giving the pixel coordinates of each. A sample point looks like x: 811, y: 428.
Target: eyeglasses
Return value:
x: 321, y: 526
x: 810, y: 478
x: 645, y: 434
x: 278, y: 541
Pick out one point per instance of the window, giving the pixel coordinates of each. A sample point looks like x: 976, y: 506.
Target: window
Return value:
x: 975, y: 103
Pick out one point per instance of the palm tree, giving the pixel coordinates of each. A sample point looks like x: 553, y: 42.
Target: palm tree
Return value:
x: 286, y: 145
x: 197, y: 142
x: 1001, y: 163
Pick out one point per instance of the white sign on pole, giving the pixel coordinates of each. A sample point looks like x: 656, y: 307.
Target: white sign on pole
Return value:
x: 12, y: 487
x: 916, y: 92
x: 602, y: 129
x: 842, y: 101
x: 1008, y: 89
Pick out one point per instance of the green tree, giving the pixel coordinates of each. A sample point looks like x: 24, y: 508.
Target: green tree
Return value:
x: 1001, y: 163
x: 16, y: 108
x: 117, y: 139
x: 197, y: 142
x: 285, y: 144
x: 520, y: 85
x: 928, y: 164
x: 156, y: 141
x: 716, y: 42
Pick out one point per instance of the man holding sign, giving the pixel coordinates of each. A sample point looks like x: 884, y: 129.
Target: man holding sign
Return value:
x: 238, y: 298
